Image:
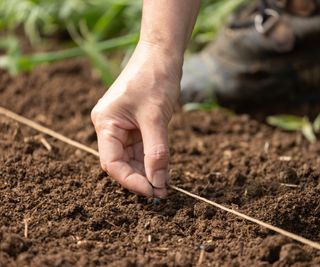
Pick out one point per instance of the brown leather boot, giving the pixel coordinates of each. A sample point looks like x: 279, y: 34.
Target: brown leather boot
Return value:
x: 269, y: 50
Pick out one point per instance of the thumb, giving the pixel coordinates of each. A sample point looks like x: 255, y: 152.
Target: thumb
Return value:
x: 154, y: 133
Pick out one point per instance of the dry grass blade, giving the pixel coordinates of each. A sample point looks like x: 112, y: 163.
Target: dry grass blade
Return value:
x: 201, y: 256
x: 78, y: 145
x: 45, y: 143
x: 26, y: 227
x: 47, y: 131
x: 248, y: 218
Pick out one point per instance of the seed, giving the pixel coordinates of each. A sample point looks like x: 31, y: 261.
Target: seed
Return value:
x: 156, y: 201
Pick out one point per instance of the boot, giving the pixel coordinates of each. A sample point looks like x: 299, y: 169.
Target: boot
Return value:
x: 269, y: 50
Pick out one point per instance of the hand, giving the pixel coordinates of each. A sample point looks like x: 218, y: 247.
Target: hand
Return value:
x: 131, y: 121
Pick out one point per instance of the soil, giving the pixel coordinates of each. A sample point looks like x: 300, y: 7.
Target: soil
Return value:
x: 77, y: 216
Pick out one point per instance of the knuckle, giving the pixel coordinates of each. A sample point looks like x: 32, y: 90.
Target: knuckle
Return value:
x: 159, y: 152
x: 155, y: 118
x: 158, y: 114
x: 98, y: 112
x: 94, y: 115
x: 163, y: 156
x: 103, y: 119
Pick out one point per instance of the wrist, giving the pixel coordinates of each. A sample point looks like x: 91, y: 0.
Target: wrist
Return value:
x: 167, y: 55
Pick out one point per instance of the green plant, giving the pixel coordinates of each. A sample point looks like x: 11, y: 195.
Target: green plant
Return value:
x: 14, y: 61
x: 95, y: 26
x: 13, y: 54
x: 296, y: 123
x: 40, y: 18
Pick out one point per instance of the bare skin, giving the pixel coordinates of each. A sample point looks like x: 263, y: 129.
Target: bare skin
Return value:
x: 131, y: 119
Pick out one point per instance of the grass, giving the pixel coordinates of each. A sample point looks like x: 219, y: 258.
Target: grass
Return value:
x: 15, y: 62
x: 94, y: 27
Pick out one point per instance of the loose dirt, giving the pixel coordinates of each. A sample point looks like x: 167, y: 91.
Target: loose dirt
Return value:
x: 59, y: 209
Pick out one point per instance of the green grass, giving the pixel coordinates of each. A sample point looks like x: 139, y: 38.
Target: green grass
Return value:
x: 94, y: 27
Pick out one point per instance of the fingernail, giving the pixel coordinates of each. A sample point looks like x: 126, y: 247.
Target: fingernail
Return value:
x: 146, y: 194
x: 160, y: 193
x: 159, y: 178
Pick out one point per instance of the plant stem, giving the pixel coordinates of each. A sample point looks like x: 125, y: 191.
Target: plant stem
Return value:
x: 28, y: 62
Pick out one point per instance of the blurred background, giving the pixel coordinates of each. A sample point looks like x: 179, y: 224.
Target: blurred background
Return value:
x: 34, y: 32
x: 105, y: 32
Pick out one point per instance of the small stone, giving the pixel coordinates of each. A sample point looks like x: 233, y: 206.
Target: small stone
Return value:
x: 289, y: 176
x: 209, y: 248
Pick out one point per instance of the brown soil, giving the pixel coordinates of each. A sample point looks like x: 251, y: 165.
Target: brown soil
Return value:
x: 77, y: 216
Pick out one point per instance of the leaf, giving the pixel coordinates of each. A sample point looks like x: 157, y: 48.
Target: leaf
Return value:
x: 14, y: 62
x: 307, y: 131
x: 100, y: 63
x: 286, y: 122
x: 13, y: 54
x: 316, y: 124
x: 294, y: 123
x: 105, y: 22
x: 89, y: 45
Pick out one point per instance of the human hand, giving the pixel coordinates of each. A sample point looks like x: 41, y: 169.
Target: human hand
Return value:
x: 131, y: 120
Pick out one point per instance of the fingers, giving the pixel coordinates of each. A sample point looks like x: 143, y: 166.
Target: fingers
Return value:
x: 160, y: 192
x: 155, y: 142
x: 130, y: 178
x: 112, y: 158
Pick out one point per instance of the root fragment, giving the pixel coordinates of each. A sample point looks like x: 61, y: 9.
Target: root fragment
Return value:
x: 45, y: 143
x: 201, y: 255
x: 290, y: 185
x: 26, y: 227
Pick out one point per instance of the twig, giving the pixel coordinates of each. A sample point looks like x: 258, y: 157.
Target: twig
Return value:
x: 248, y: 218
x: 285, y: 158
x: 201, y: 255
x: 47, y: 131
x: 26, y: 226
x: 266, y: 147
x: 45, y: 143
x: 78, y: 145
x: 289, y: 185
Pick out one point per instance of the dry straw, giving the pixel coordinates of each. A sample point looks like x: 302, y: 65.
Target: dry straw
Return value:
x: 78, y: 145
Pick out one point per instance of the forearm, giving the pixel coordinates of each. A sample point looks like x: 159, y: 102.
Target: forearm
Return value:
x: 168, y: 24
